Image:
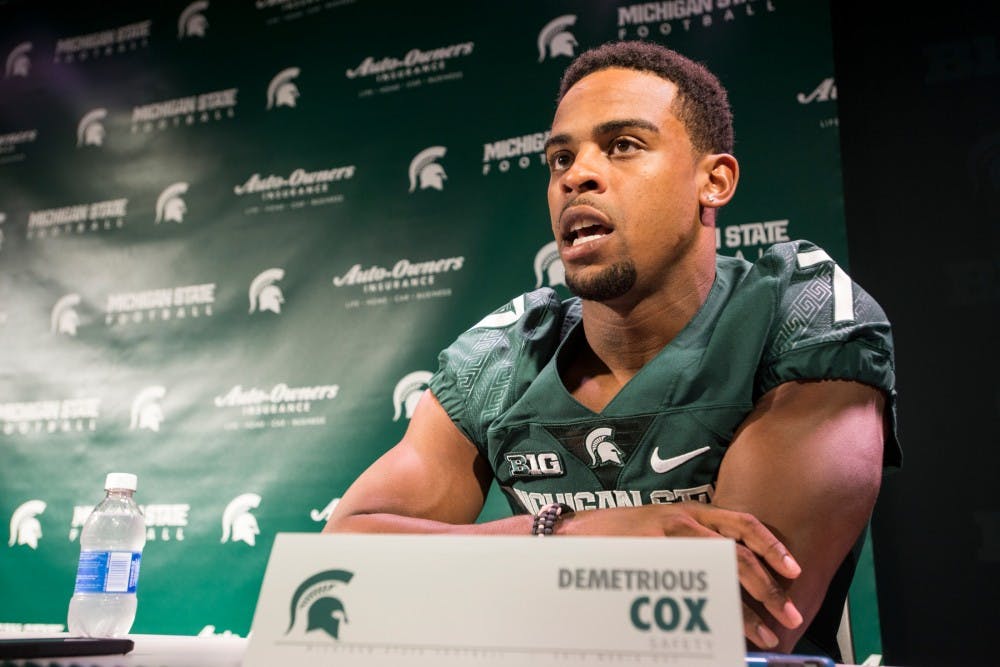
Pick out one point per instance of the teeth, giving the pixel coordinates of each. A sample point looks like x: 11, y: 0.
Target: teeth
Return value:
x: 577, y: 226
x: 580, y: 240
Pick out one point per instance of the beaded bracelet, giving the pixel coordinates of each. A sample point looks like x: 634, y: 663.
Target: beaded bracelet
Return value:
x: 545, y: 521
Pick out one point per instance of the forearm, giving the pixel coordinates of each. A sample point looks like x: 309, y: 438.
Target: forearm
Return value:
x: 379, y: 522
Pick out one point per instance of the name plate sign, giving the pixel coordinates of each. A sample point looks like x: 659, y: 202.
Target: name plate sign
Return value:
x: 441, y: 600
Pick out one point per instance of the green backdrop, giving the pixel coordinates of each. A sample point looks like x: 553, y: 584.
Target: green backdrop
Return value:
x: 234, y: 236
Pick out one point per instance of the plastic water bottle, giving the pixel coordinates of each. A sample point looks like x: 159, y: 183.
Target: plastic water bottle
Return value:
x: 111, y: 542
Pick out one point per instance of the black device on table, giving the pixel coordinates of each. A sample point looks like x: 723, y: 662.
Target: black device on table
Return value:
x: 55, y: 647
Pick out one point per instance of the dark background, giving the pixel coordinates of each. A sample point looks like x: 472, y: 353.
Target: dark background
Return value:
x: 919, y: 101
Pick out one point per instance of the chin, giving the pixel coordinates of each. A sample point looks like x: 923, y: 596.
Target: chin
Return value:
x: 603, y: 284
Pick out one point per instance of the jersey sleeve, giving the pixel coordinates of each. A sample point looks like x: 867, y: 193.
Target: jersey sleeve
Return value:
x: 483, y: 372
x: 826, y: 327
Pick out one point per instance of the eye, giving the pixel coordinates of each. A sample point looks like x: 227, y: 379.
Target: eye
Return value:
x: 622, y: 145
x: 560, y: 161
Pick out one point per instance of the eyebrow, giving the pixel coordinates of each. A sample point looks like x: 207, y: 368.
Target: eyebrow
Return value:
x: 605, y: 128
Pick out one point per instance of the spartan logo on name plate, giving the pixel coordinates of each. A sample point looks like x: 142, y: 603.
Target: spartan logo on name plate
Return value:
x: 425, y: 171
x: 238, y: 524
x: 325, y: 611
x: 192, y: 23
x: 90, y: 131
x: 555, y: 40
x: 264, y: 294
x: 147, y: 414
x: 65, y: 319
x: 169, y: 205
x: 24, y: 526
x: 18, y: 62
x: 281, y: 92
x: 407, y: 393
x: 602, y: 448
x: 549, y: 269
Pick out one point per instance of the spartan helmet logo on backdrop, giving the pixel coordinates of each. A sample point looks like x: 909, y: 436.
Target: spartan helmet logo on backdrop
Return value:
x: 90, y: 131
x: 325, y: 612
x: 238, y: 523
x: 18, y: 62
x: 24, y: 527
x: 282, y: 92
x: 549, y: 269
x: 264, y: 294
x: 169, y: 205
x: 407, y: 393
x: 425, y: 171
x: 192, y: 23
x: 146, y: 411
x: 555, y: 39
x: 64, y: 318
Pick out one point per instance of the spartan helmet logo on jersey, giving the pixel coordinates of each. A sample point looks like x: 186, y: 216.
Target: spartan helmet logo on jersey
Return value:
x: 602, y: 448
x: 408, y: 392
x: 64, y: 318
x: 549, y: 268
x: 192, y: 22
x: 555, y: 39
x: 146, y: 411
x: 238, y: 523
x: 169, y: 205
x: 282, y: 92
x: 325, y: 612
x: 24, y: 527
x: 90, y: 131
x: 264, y: 294
x: 425, y: 171
x: 18, y: 62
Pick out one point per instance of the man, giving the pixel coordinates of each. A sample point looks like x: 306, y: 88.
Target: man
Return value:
x: 681, y: 393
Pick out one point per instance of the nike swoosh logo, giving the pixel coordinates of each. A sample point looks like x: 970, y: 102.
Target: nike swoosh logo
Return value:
x: 666, y: 465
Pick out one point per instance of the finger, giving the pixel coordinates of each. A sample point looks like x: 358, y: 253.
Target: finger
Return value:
x: 747, y: 529
x: 756, y: 631
x: 761, y: 586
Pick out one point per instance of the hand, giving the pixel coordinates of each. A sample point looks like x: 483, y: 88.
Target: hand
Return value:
x: 758, y: 551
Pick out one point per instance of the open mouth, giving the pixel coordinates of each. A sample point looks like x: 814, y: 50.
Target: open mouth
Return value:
x: 585, y: 231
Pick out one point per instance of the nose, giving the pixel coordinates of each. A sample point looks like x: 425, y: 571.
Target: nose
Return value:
x: 586, y: 174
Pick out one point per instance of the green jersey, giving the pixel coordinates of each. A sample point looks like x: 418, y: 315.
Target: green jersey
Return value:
x: 792, y: 315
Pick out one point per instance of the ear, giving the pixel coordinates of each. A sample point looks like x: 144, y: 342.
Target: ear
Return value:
x: 718, y: 174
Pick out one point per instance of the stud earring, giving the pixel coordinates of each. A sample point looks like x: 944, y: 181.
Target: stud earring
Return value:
x: 711, y: 199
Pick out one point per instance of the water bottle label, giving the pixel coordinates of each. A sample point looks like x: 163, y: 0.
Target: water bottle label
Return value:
x: 107, y: 572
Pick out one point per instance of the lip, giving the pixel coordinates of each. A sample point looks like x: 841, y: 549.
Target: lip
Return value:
x: 580, y: 213
x: 587, y: 252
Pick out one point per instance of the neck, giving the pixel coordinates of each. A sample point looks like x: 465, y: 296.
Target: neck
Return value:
x: 625, y: 336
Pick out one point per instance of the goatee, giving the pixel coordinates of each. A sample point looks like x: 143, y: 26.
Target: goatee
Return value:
x: 611, y: 283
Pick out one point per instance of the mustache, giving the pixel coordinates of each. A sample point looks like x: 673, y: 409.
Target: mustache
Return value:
x: 582, y: 200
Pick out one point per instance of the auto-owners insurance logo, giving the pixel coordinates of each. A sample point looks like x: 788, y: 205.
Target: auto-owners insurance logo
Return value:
x: 404, y: 281
x: 415, y: 68
x: 317, y: 600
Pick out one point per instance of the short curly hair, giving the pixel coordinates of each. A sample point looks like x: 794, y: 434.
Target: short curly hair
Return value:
x: 702, y: 102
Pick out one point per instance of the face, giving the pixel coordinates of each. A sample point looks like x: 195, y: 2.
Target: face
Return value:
x: 624, y: 184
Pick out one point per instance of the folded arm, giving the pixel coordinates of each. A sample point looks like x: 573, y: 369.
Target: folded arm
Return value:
x: 807, y: 462
x: 796, y: 488
x: 433, y: 481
